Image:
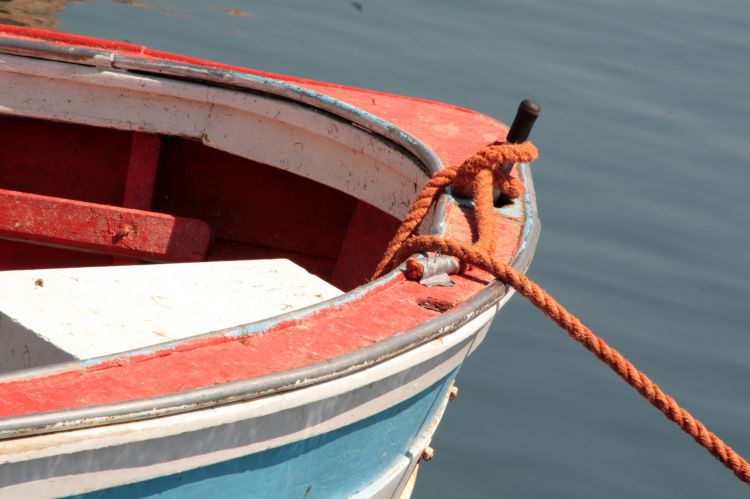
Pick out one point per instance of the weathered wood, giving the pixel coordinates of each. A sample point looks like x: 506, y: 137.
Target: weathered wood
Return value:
x: 102, y: 228
x: 144, y: 160
x: 66, y: 314
x: 141, y: 177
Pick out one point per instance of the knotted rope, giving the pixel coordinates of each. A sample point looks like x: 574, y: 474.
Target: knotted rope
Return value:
x: 475, y: 177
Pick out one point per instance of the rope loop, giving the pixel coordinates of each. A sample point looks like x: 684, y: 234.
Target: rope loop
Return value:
x: 475, y: 178
x: 494, y: 158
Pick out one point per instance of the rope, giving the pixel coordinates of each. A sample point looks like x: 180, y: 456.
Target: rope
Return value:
x: 492, y: 159
x: 467, y: 180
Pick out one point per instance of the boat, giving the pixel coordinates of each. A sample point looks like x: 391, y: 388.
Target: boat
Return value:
x: 186, y: 252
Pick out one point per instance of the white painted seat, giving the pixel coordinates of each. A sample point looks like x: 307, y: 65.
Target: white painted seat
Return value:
x: 56, y: 315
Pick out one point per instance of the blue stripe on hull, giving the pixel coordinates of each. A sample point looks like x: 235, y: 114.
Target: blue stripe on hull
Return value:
x: 335, y: 464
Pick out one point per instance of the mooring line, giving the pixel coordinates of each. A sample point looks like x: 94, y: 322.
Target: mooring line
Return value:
x: 475, y: 178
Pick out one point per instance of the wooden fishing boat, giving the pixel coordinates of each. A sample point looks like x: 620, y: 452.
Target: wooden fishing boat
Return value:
x: 185, y: 303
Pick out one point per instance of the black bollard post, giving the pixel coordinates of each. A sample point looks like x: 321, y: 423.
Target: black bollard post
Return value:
x: 528, y: 112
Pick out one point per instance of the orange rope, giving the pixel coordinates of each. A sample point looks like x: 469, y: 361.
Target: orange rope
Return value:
x: 467, y: 182
x: 479, y: 254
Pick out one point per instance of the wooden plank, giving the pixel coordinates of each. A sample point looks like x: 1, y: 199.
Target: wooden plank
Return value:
x: 144, y: 160
x: 141, y: 178
x: 102, y: 228
x: 368, y: 234
x: 78, y: 313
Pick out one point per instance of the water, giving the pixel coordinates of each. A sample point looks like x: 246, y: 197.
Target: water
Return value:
x: 643, y: 191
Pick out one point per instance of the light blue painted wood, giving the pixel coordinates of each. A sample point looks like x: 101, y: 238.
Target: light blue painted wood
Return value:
x: 335, y: 464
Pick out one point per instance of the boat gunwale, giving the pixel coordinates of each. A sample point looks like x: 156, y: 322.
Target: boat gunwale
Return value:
x: 247, y: 389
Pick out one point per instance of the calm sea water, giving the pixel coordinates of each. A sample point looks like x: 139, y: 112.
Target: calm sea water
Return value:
x: 643, y: 187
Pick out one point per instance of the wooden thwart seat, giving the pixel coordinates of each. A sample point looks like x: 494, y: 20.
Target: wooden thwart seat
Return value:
x: 102, y: 228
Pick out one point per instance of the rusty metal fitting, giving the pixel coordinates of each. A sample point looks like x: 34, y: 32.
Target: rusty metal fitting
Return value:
x: 453, y: 392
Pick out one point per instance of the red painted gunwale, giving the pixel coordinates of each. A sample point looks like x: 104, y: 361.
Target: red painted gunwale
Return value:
x: 452, y: 133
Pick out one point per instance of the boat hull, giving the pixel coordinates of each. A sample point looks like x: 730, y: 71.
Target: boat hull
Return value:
x: 360, y: 436
x: 338, y: 399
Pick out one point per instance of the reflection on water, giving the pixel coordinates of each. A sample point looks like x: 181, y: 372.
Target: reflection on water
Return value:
x: 159, y: 7
x: 33, y: 13
x: 44, y: 13
x: 236, y: 12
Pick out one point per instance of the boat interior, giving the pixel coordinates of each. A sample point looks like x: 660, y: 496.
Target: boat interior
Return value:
x: 237, y: 208
x: 104, y: 168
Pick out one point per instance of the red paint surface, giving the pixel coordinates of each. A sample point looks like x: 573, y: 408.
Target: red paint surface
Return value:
x: 96, y: 227
x: 63, y: 160
x: 368, y: 234
x: 247, y: 204
x: 141, y: 177
x: 15, y: 255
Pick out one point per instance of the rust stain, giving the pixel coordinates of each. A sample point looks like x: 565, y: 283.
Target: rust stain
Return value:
x: 435, y: 304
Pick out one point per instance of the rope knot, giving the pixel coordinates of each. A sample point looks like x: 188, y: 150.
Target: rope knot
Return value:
x: 474, y: 178
x: 477, y: 175
x: 494, y: 158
